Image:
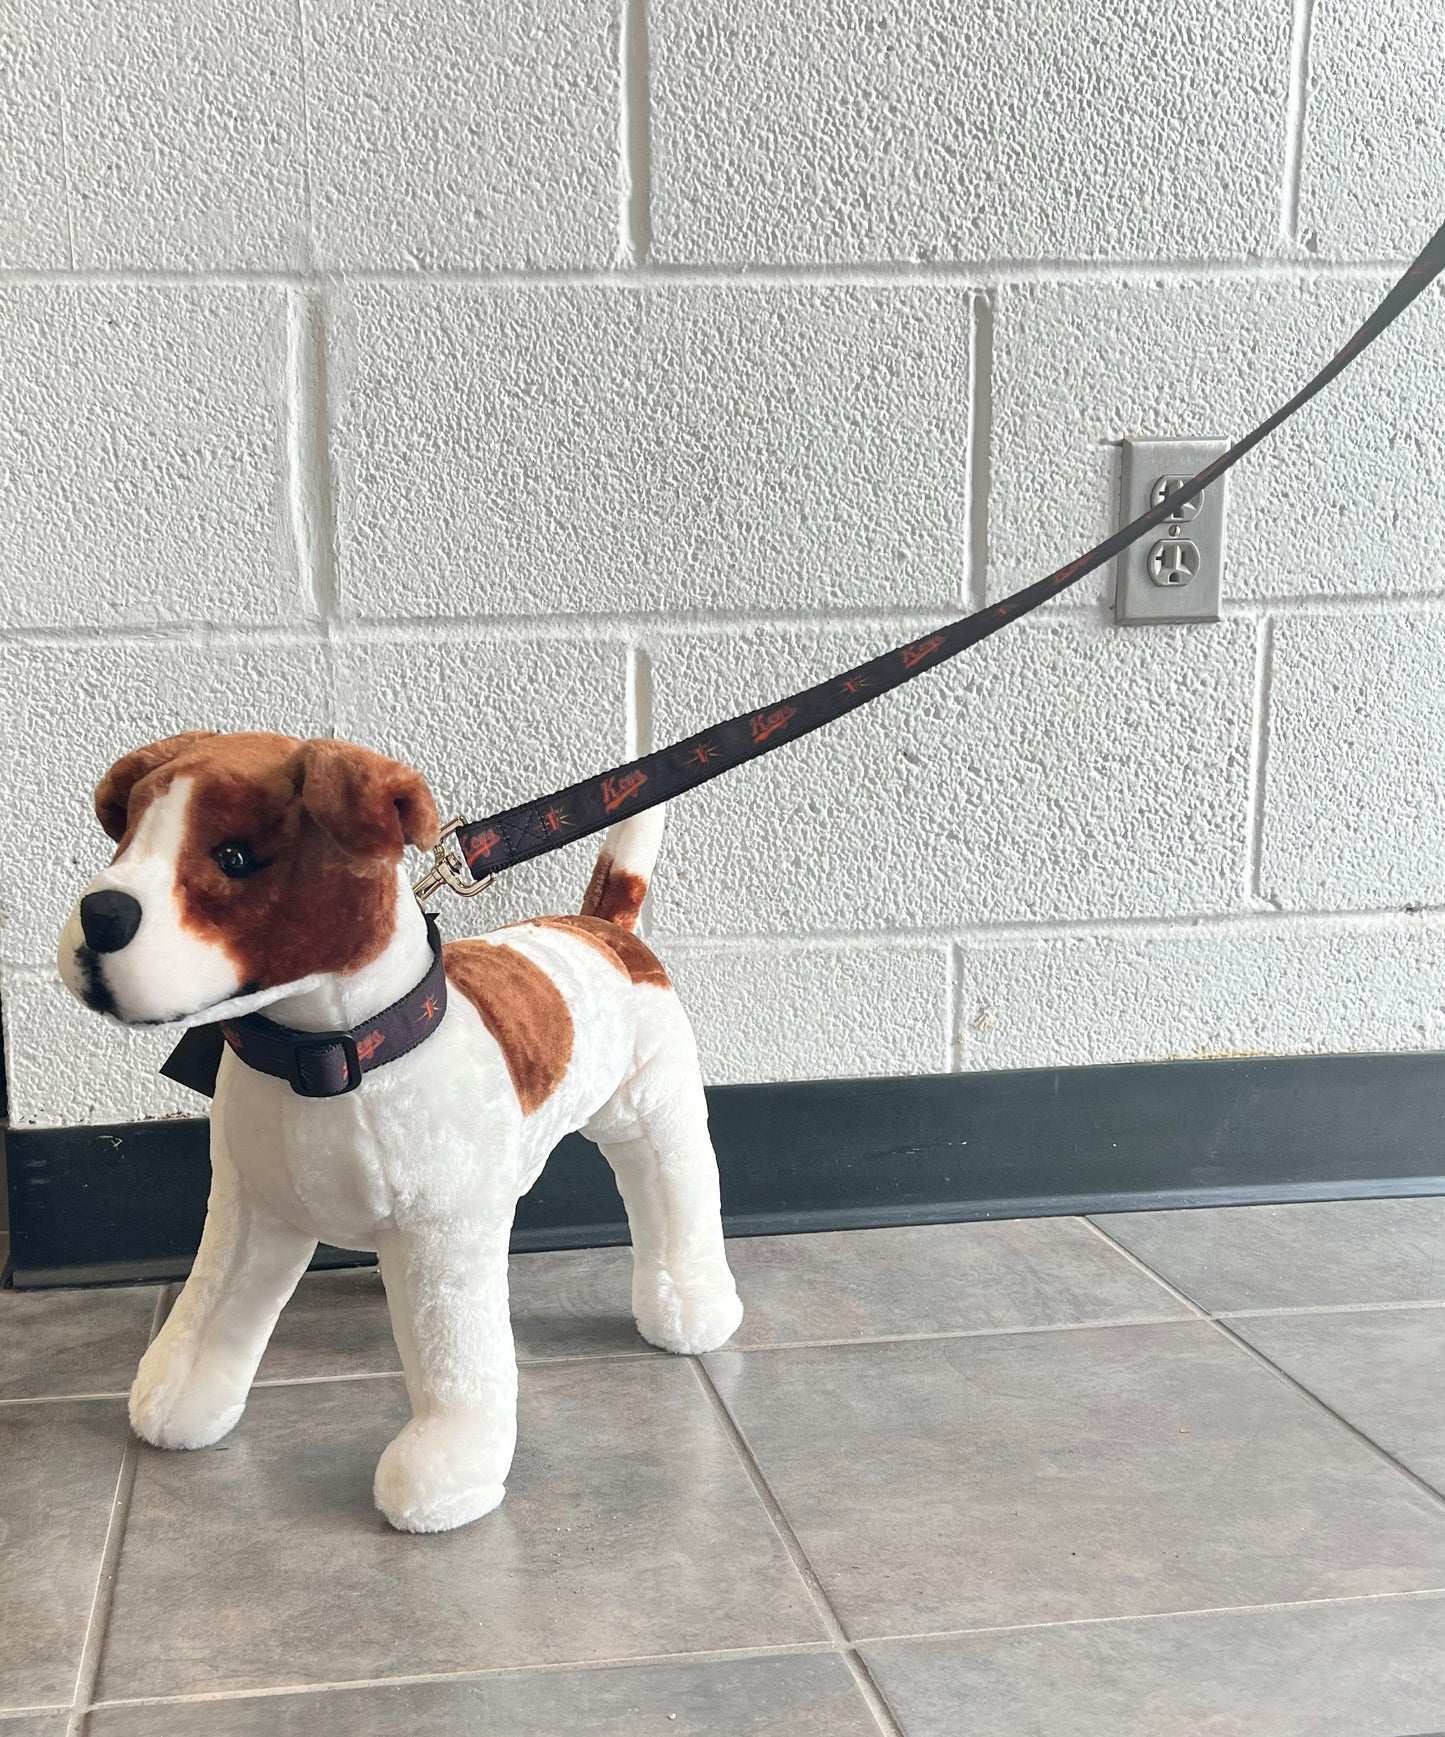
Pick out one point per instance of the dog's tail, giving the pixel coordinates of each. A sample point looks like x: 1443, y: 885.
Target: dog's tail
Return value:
x: 624, y: 867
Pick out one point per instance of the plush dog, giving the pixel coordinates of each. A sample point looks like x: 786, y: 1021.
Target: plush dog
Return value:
x: 261, y: 871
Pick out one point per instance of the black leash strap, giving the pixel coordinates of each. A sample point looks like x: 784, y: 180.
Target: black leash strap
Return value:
x: 534, y: 828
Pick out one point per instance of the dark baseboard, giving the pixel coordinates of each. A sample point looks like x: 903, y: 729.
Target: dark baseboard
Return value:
x: 108, y: 1205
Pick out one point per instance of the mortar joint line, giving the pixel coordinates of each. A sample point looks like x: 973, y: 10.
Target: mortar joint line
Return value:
x: 1296, y: 119
x: 307, y: 203
x: 67, y: 185
x: 311, y: 503
x: 792, y: 1544
x: 979, y: 459
x: 634, y: 136
x: 953, y: 1012
x: 1259, y: 763
x: 986, y: 275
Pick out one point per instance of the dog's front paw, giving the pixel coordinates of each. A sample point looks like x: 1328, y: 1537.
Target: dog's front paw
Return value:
x: 175, y: 1405
x: 686, y: 1319
x: 432, y: 1478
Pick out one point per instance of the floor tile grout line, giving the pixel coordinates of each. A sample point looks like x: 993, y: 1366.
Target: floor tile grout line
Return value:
x: 797, y: 1555
x: 721, y: 1654
x: 961, y: 1333
x: 484, y: 1673
x: 1436, y: 1497
x: 1294, y: 1310
x: 93, y: 1646
x: 61, y: 1398
x: 1195, y: 1316
x: 1174, y: 1291
x: 1411, y: 1594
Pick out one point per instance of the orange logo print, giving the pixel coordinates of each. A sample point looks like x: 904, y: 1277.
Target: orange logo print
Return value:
x: 430, y: 1008
x: 369, y: 1045
x: 555, y: 819
x: 853, y: 684
x: 703, y: 752
x: 914, y: 654
x: 615, y: 791
x: 769, y: 723
x: 486, y: 844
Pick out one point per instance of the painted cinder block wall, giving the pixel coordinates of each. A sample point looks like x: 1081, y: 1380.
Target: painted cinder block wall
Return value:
x: 511, y: 387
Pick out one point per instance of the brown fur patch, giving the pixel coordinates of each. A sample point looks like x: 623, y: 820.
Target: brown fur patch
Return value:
x: 624, y: 949
x: 614, y: 895
x: 522, y: 1008
x: 326, y: 821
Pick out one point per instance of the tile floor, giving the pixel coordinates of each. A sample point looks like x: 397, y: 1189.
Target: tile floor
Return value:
x: 1159, y: 1474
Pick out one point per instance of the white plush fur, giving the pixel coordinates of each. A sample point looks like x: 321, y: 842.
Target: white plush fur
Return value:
x: 424, y: 1164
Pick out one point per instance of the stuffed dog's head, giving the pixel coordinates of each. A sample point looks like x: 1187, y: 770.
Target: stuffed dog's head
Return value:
x: 248, y: 866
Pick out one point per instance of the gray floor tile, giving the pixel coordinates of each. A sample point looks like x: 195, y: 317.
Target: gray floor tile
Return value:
x: 846, y: 1284
x: 60, y: 1464
x: 942, y: 1278
x: 1383, y: 1370
x: 34, y: 1724
x: 61, y: 1342
x: 576, y: 1303
x: 794, y: 1696
x: 1369, y: 1669
x: 1282, y: 1257
x: 335, y: 1324
x: 629, y: 1529
x: 1110, y: 1471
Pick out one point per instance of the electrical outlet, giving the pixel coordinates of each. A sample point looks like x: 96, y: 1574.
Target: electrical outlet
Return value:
x: 1173, y: 574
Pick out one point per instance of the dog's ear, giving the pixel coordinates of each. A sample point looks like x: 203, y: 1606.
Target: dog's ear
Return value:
x: 112, y: 794
x: 370, y: 805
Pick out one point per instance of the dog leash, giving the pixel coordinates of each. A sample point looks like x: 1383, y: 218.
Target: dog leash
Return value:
x: 326, y: 1064
x: 471, y: 854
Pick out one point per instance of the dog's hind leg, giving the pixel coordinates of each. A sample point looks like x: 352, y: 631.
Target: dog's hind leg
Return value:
x: 446, y: 1287
x: 683, y: 1295
x: 192, y: 1383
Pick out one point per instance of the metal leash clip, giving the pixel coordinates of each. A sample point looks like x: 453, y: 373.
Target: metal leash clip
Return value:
x: 449, y: 868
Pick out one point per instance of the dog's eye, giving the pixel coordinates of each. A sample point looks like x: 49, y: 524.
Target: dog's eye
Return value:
x: 234, y: 860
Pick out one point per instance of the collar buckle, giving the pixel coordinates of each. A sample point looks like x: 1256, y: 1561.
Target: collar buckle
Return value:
x: 449, y: 868
x: 319, y: 1041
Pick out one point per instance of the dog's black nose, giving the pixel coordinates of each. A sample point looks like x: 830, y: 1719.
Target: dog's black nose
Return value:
x: 109, y: 920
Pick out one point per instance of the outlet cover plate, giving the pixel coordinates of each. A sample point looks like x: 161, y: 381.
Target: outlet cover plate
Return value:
x: 1138, y: 599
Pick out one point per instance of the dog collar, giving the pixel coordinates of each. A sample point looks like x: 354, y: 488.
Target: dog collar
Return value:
x: 316, y: 1064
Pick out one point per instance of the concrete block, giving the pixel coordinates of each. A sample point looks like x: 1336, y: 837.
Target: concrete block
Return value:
x: 1354, y: 793
x: 1060, y: 770
x: 145, y: 474
x: 1343, y: 500
x: 453, y: 135
x: 791, y: 1013
x: 34, y: 219
x: 68, y: 712
x: 186, y: 134
x: 491, y: 721
x: 1370, y: 178
x: 1291, y: 988
x: 67, y: 1067
x: 1053, y: 129
x: 556, y: 449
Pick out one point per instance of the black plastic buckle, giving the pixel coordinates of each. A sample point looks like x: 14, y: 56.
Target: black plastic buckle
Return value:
x: 322, y: 1040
